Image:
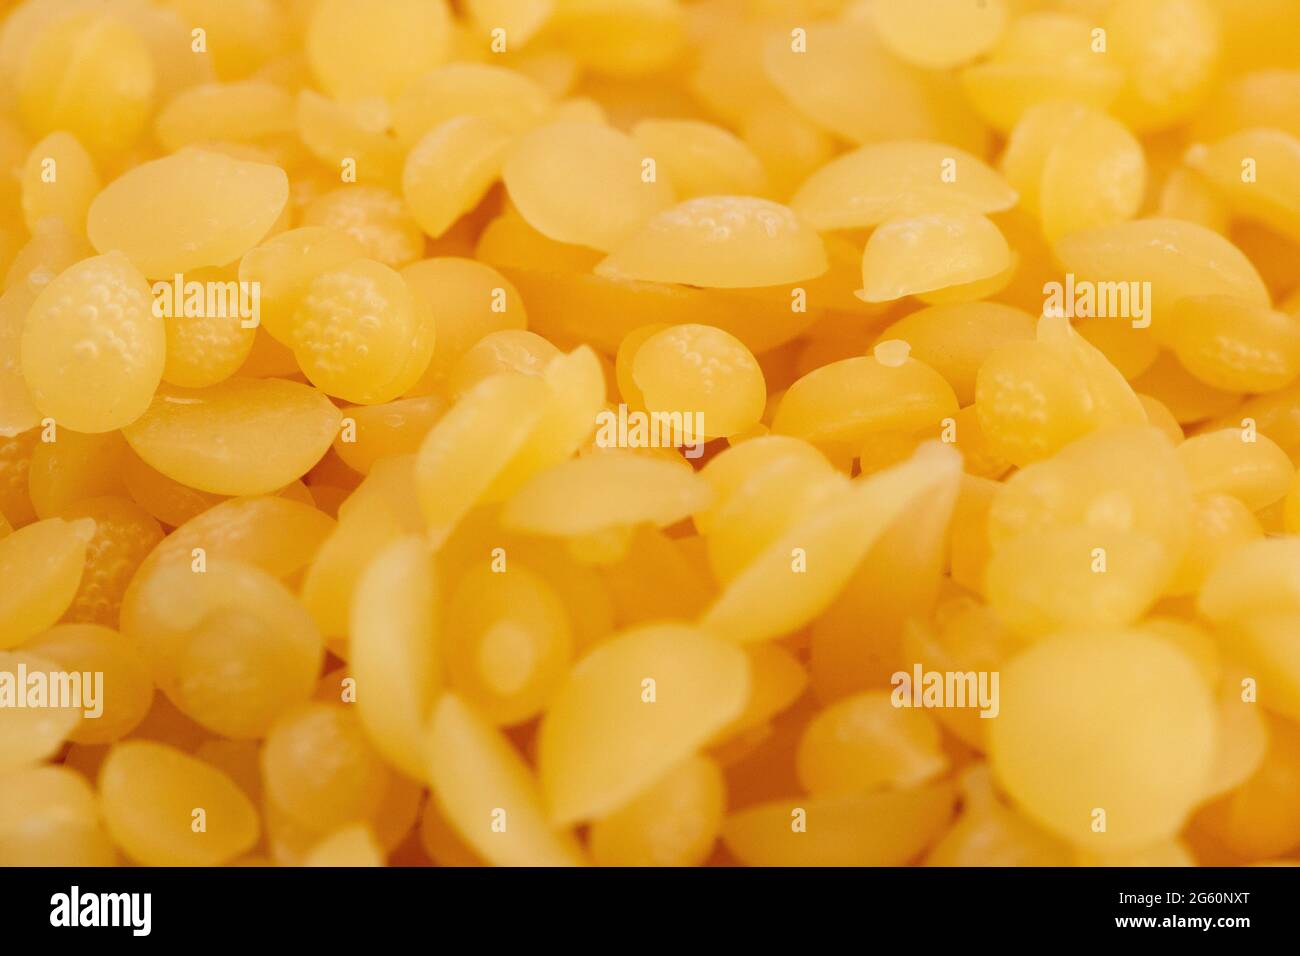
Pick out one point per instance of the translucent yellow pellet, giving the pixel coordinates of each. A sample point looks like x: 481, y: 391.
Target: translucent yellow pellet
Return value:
x: 673, y: 823
x: 451, y: 168
x: 49, y: 817
x: 1249, y: 467
x: 506, y: 350
x: 42, y: 564
x: 373, y: 216
x: 284, y: 265
x: 701, y: 159
x: 378, y: 52
x: 970, y: 28
x: 33, y: 734
x: 192, y: 209
x: 92, y: 348
x: 1237, y: 345
x: 915, y: 254
x: 124, y: 535
x: 149, y: 793
x: 1258, y: 172
x: 249, y: 111
x: 207, y: 438
x: 508, y: 98
x: 59, y: 179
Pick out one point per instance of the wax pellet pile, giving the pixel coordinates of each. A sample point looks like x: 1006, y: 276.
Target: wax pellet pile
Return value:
x: 653, y: 432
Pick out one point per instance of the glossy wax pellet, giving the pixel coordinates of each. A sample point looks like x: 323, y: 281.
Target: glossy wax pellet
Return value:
x: 43, y: 564
x: 378, y: 52
x: 915, y: 254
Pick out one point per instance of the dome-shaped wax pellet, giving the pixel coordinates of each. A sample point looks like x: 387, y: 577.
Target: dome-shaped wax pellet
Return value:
x: 1119, y: 724
x: 609, y: 490
x: 1237, y: 345
x: 940, y: 33
x: 229, y: 645
x: 41, y: 565
x: 1041, y: 56
x: 1262, y: 577
x: 865, y: 743
x: 349, y: 135
x: 1258, y: 171
x: 955, y: 339
x: 379, y: 50
x: 127, y: 688
x: 731, y: 469
x: 248, y: 111
x: 153, y: 798
x: 74, y: 466
x: 191, y: 209
x: 630, y: 710
x: 465, y: 452
x: 889, y: 828
x: 208, y: 348
x: 284, y: 265
x: 510, y: 642
x: 506, y: 350
x: 451, y: 168
x: 1094, y: 175
x: 507, y: 97
x: 720, y: 242
x: 488, y: 793
x: 1170, y: 51
x: 49, y: 817
x: 924, y: 253
x: 32, y: 724
x: 583, y: 183
x: 59, y: 180
x: 241, y: 437
x: 92, y: 348
x: 882, y: 181
x: 320, y: 769
x: 392, y: 651
x: 468, y: 299
x: 372, y: 432
x: 701, y: 159
x: 847, y: 400
x: 1220, y: 523
x: 700, y: 370
x: 1252, y: 468
x: 768, y: 600
x: 15, y: 464
x: 373, y: 216
x: 124, y: 535
x: 359, y: 333
x: 89, y: 74
x: 674, y: 822
x: 1178, y: 258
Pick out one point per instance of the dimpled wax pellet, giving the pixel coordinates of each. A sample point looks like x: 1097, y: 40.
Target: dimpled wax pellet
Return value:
x: 451, y: 168
x: 1250, y: 467
x: 41, y: 564
x: 124, y: 535
x: 1178, y: 258
x: 375, y: 217
x: 630, y: 710
x: 970, y: 27
x: 360, y: 334
x: 698, y: 369
x: 60, y: 180
x: 92, y: 349
x: 1118, y: 722
x: 489, y: 794
x: 1258, y: 171
x: 583, y: 183
x: 887, y: 828
x: 89, y: 74
x: 701, y: 159
x: 866, y: 743
x: 240, y: 437
x: 319, y: 768
x: 880, y: 181
x: 509, y: 98
x: 127, y: 689
x: 191, y: 209
x: 924, y: 253
x: 1237, y: 345
x: 955, y: 339
x: 32, y: 734
x: 510, y: 642
x: 720, y: 242
x: 674, y: 822
x: 597, y: 492
x: 379, y: 50
x: 848, y: 400
x: 393, y: 653
x: 149, y: 794
x: 49, y: 817
x: 205, y: 349
x: 229, y: 645
x: 284, y: 265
